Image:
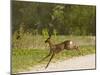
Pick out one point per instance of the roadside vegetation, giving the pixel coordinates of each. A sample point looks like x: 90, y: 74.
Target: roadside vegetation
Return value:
x: 24, y: 59
x: 33, y: 22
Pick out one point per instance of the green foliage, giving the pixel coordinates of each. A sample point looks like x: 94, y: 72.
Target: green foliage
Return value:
x: 66, y: 19
x: 28, y: 50
x: 26, y: 58
x: 29, y: 41
x: 24, y: 41
x: 58, y: 12
x: 55, y: 33
x: 45, y: 33
x: 32, y: 22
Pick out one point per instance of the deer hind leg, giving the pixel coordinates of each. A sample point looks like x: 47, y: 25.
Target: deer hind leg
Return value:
x: 50, y: 60
x: 46, y: 56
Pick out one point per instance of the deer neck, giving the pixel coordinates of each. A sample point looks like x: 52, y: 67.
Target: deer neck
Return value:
x: 50, y: 44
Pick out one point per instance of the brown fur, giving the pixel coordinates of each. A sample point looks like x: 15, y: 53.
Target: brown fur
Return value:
x: 56, y: 48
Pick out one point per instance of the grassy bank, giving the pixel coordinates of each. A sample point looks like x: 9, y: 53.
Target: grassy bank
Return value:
x: 29, y: 41
x: 27, y: 51
x: 23, y: 59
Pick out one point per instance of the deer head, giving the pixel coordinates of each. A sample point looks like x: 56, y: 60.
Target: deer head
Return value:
x: 48, y: 39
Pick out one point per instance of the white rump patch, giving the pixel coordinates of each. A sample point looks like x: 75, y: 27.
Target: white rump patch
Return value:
x: 71, y: 42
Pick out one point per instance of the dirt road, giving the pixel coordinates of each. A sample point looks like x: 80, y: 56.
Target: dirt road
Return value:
x: 82, y: 62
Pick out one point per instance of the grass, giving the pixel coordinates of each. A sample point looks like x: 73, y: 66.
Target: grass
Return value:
x: 30, y: 41
x: 27, y: 51
x: 23, y: 59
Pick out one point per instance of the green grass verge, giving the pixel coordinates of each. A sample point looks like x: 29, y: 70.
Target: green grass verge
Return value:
x: 23, y: 59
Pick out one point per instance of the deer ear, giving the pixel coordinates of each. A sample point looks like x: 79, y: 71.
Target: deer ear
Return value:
x: 49, y: 33
x: 49, y: 36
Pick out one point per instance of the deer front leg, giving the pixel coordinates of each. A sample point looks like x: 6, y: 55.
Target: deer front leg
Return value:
x: 50, y: 60
x: 46, y: 56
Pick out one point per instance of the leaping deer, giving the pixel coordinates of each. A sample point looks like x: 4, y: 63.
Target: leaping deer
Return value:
x: 56, y: 48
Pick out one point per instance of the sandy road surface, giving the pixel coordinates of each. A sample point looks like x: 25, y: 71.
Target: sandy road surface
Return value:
x: 82, y: 62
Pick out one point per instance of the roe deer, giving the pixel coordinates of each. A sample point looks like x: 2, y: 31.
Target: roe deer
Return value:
x: 56, y: 48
